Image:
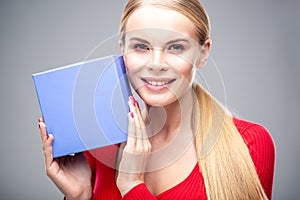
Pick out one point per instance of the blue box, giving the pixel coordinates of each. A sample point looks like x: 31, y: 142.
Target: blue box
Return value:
x: 84, y: 105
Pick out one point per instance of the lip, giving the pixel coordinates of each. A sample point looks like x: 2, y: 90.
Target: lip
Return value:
x: 157, y: 84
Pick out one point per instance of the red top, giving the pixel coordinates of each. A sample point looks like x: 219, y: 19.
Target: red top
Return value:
x: 256, y: 137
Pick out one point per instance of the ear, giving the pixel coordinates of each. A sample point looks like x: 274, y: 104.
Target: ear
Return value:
x: 123, y: 53
x: 204, y: 53
x: 121, y: 46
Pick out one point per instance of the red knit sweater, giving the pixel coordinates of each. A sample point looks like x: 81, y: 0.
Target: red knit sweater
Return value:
x: 257, y: 139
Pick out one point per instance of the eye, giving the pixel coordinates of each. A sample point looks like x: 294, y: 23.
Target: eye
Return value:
x: 176, y: 48
x: 141, y: 47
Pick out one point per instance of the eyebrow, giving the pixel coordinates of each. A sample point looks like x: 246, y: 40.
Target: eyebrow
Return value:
x: 140, y: 40
x: 169, y: 42
x: 178, y: 40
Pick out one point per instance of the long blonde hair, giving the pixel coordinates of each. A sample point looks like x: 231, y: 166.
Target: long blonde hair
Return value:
x: 226, y: 165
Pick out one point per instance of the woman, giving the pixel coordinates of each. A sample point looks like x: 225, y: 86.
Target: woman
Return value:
x: 195, y: 149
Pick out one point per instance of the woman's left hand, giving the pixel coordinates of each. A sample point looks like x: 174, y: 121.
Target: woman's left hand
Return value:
x: 134, y: 158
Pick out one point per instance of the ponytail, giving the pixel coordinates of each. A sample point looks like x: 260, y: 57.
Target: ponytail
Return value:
x: 224, y: 159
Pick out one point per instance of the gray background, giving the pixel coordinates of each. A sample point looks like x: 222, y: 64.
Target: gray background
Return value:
x: 255, y: 45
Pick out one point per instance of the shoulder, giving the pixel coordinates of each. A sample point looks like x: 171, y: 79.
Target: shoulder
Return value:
x: 254, y: 134
x: 258, y: 140
x: 260, y: 144
x: 262, y: 150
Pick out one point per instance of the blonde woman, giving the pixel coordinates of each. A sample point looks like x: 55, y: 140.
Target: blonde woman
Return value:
x: 184, y: 145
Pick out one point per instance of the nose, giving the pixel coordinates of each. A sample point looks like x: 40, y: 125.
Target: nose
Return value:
x: 157, y: 62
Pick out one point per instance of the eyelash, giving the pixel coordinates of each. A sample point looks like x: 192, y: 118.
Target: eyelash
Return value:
x: 174, y: 48
x: 141, y: 47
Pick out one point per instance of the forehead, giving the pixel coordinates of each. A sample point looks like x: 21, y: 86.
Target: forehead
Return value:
x: 149, y: 19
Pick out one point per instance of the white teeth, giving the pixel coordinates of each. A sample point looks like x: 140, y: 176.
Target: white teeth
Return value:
x: 158, y: 83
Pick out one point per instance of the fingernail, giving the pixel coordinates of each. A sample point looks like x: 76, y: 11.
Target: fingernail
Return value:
x: 131, y: 115
x: 136, y: 103
x: 132, y: 99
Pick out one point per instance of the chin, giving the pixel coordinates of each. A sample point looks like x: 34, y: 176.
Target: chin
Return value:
x: 157, y: 99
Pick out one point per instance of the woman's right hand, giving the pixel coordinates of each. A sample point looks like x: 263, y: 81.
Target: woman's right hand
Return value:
x: 71, y: 174
x: 134, y: 158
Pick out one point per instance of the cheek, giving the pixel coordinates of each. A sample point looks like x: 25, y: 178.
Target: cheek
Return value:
x: 132, y: 64
x: 182, y: 67
x: 133, y: 60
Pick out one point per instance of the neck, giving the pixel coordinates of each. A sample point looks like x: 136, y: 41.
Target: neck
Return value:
x: 166, y: 122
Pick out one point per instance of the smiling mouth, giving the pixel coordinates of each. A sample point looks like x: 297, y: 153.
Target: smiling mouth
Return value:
x: 158, y: 83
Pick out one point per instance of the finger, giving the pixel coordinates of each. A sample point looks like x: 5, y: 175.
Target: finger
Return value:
x: 135, y: 108
x: 139, y: 116
x: 120, y: 153
x: 145, y: 115
x: 43, y: 133
x: 143, y: 134
x: 48, y: 151
x: 131, y: 139
x: 143, y: 144
x: 146, y: 142
x: 133, y: 115
x: 122, y: 145
x: 47, y: 143
x: 139, y: 123
x: 40, y: 119
x: 136, y: 142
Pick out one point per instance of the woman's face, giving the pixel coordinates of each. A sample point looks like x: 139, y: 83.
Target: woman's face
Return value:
x: 160, y: 50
